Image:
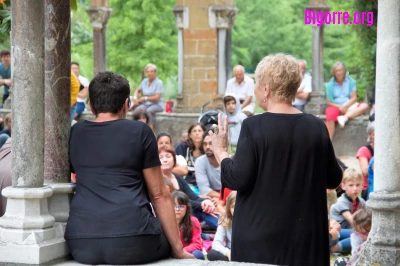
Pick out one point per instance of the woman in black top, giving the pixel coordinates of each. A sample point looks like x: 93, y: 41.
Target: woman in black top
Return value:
x: 119, y: 181
x: 283, y: 165
x: 191, y: 149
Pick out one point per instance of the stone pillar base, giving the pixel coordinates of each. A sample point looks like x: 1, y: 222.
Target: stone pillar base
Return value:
x: 27, y: 232
x: 383, y: 244
x: 316, y: 104
x: 60, y: 201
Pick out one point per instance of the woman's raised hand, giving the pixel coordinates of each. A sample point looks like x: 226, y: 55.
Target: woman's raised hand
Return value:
x: 219, y: 135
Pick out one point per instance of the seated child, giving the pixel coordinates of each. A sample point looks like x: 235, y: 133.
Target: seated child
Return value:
x: 346, y: 205
x: 221, y: 247
x: 235, y: 120
x: 362, y: 220
x: 189, y: 226
x: 350, y: 201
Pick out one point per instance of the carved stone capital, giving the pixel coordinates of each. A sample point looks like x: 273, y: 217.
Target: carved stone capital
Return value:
x: 181, y: 17
x: 222, y: 17
x: 99, y: 16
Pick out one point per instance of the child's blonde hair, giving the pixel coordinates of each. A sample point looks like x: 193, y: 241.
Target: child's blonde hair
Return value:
x: 351, y: 174
x: 362, y: 219
x: 226, y: 219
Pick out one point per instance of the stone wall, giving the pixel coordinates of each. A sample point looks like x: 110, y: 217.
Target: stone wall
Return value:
x: 200, y: 55
x: 346, y: 141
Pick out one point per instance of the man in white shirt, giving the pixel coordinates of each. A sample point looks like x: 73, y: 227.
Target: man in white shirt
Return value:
x: 83, y: 90
x: 305, y: 88
x: 242, y: 86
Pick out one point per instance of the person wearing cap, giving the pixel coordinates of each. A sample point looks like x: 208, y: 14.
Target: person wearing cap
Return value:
x: 364, y: 156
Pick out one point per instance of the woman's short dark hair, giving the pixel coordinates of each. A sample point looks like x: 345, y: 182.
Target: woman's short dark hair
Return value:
x: 164, y: 134
x: 189, y: 143
x: 108, y: 92
x: 138, y: 113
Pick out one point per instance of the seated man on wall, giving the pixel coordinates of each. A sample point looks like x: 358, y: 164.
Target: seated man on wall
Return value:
x: 242, y: 86
x: 303, y: 93
x: 208, y: 171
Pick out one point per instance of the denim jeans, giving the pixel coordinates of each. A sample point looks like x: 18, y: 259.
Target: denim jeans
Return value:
x: 208, y: 219
x: 3, y: 139
x: 198, y: 254
x: 73, y: 112
x: 344, y: 243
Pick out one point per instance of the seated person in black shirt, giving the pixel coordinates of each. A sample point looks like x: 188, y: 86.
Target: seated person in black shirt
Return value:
x: 119, y: 180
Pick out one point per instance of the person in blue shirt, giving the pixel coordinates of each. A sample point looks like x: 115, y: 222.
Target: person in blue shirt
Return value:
x: 5, y: 72
x: 371, y: 175
x: 341, y: 98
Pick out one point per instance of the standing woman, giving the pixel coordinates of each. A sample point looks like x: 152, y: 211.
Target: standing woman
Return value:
x: 191, y: 149
x: 119, y: 181
x: 283, y: 165
x: 151, y: 90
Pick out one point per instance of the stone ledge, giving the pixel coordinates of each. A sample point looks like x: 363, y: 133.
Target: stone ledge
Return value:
x: 175, y: 262
x: 346, y: 141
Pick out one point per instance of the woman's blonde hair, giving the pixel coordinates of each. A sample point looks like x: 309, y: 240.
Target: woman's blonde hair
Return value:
x: 281, y: 73
x: 226, y: 219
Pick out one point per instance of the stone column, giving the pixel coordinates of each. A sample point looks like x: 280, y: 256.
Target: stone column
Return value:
x: 182, y: 22
x: 317, y: 102
x: 27, y: 234
x: 222, y: 17
x: 383, y: 244
x: 57, y: 109
x: 99, y: 13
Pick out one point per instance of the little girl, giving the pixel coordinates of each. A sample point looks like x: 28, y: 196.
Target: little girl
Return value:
x: 362, y: 225
x: 189, y: 226
x: 221, y: 247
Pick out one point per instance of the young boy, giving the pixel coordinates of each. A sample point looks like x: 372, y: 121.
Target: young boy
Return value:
x: 235, y: 119
x: 350, y: 201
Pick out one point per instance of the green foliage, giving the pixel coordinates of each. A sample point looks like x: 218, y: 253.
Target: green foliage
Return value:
x: 5, y: 24
x: 141, y: 32
x: 267, y: 27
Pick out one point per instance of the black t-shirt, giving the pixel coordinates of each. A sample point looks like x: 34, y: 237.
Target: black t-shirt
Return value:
x: 111, y: 197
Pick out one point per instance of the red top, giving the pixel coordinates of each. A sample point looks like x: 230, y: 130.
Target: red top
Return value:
x: 196, y: 243
x: 364, y: 152
x: 224, y: 194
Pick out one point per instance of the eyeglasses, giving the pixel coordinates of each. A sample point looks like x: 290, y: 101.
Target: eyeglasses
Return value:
x: 180, y: 207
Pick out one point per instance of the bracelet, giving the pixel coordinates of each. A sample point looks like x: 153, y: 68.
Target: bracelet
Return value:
x: 145, y: 98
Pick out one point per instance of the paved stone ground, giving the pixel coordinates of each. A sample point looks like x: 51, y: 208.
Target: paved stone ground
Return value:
x: 175, y: 262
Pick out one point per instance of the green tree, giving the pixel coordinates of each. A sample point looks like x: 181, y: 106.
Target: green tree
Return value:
x: 142, y: 32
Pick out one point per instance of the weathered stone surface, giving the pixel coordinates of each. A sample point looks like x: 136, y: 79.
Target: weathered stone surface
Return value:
x: 57, y: 91
x: 99, y: 16
x: 28, y: 94
x: 383, y: 246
